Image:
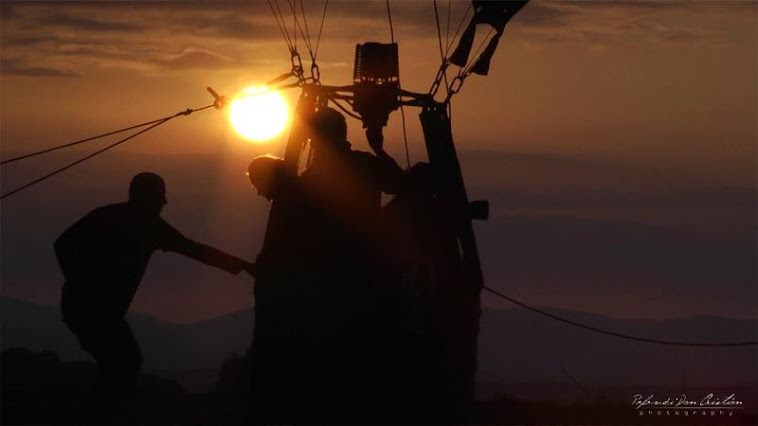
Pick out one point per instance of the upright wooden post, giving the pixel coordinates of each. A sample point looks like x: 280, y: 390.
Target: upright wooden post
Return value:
x: 271, y: 353
x: 462, y: 303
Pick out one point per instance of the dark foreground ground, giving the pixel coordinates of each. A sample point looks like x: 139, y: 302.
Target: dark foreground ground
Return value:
x: 37, y: 388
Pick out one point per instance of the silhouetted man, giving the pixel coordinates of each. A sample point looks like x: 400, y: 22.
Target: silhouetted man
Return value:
x: 421, y: 228
x: 103, y: 257
x: 343, y: 189
x: 347, y: 185
x: 266, y: 173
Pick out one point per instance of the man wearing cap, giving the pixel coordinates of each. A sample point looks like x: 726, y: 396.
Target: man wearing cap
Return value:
x: 347, y: 184
x: 103, y: 257
x: 348, y: 315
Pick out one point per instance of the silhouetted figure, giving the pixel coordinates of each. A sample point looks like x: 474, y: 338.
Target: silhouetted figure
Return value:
x: 421, y: 229
x: 338, y: 195
x: 421, y: 225
x: 317, y: 351
x: 288, y: 316
x: 272, y: 180
x: 344, y: 188
x: 103, y: 257
x: 267, y: 174
x: 347, y: 186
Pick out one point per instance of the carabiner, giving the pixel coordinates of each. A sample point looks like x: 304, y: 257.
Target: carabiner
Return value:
x: 297, y: 65
x: 438, y: 79
x: 456, y: 85
x: 315, y: 72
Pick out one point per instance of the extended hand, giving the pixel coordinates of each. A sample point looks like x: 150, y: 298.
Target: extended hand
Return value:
x: 375, y: 139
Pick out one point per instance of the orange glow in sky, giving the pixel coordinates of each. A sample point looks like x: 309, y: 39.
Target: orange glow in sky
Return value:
x: 616, y: 141
x: 258, y: 114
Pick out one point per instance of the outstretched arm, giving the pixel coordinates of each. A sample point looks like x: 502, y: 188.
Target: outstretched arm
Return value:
x: 214, y: 257
x: 389, y: 174
x: 172, y: 240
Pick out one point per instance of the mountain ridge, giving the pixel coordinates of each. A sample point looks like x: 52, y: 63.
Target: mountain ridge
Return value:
x: 515, y: 345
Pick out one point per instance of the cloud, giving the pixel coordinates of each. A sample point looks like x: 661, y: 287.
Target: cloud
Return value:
x: 146, y: 36
x: 82, y: 23
x: 26, y: 41
x: 531, y: 157
x: 228, y: 25
x: 7, y: 12
x: 602, y: 258
x: 705, y: 198
x: 542, y: 14
x: 591, y: 24
x: 8, y: 67
x: 541, y: 172
x: 605, y: 24
x: 197, y: 58
x: 553, y: 181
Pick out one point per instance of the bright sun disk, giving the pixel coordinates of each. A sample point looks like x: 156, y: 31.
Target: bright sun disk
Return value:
x: 258, y: 114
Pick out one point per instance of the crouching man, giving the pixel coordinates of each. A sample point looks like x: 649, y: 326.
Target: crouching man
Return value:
x: 103, y: 257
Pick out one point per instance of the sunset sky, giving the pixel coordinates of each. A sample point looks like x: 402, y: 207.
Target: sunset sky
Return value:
x: 615, y: 141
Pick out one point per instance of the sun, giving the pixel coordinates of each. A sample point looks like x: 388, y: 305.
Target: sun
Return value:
x: 258, y: 114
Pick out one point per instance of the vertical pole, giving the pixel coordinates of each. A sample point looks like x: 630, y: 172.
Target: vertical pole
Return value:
x: 270, y: 365
x: 462, y: 301
x: 297, y: 139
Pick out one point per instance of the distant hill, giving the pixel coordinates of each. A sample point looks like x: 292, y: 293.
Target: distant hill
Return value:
x: 191, y: 353
x: 523, y: 352
x: 518, y: 350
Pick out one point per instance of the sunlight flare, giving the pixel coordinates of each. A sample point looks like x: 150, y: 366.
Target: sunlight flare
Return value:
x: 258, y: 114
